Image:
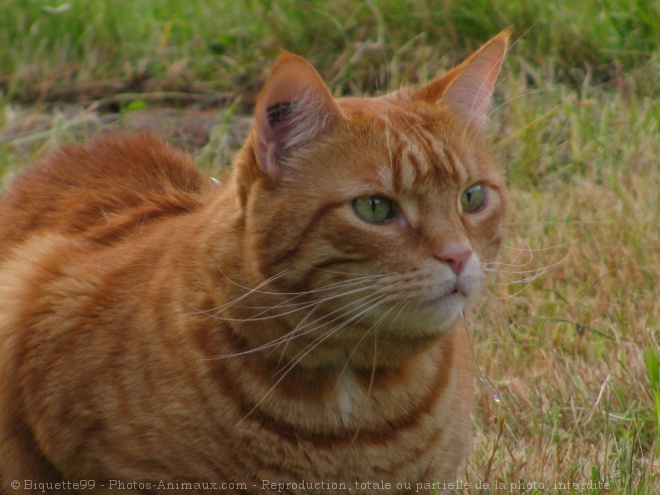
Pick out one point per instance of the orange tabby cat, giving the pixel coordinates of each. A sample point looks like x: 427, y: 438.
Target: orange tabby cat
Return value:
x: 297, y: 329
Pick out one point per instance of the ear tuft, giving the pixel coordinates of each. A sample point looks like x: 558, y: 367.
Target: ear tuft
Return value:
x: 467, y: 89
x: 294, y: 107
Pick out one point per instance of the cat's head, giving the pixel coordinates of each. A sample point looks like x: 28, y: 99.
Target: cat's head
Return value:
x: 387, y: 208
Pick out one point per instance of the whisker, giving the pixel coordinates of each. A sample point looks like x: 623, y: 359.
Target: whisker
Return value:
x: 379, y: 301
x: 527, y: 283
x: 329, y: 287
x: 527, y: 248
x: 373, y: 327
x: 372, y: 378
x: 537, y: 272
x: 282, y: 273
x: 518, y: 272
x: 292, y: 366
x: 300, y: 307
x: 295, y: 295
x: 276, y: 342
x: 514, y: 265
x: 486, y: 382
x: 296, y: 332
x: 248, y: 291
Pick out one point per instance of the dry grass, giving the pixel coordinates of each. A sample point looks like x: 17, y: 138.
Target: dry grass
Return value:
x: 563, y: 348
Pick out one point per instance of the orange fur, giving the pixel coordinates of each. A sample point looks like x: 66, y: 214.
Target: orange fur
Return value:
x: 156, y: 326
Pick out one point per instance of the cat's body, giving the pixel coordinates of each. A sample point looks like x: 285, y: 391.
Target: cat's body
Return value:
x: 157, y: 326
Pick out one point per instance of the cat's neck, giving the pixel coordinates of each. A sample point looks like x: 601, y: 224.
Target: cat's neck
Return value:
x: 346, y: 393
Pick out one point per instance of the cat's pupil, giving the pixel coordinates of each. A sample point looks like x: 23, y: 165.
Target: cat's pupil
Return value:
x: 473, y: 198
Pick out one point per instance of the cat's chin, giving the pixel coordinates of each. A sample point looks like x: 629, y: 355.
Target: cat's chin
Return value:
x: 428, y: 317
x: 441, y: 313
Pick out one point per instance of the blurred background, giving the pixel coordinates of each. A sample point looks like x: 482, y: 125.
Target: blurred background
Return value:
x: 79, y: 50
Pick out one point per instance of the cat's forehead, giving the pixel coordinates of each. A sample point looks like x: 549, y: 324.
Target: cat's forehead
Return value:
x: 398, y: 109
x: 419, y: 145
x: 409, y: 122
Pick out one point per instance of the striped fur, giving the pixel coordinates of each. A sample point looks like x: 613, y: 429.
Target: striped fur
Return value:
x: 156, y: 326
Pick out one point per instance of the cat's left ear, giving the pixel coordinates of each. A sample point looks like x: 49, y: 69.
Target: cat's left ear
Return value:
x: 294, y: 107
x: 467, y: 89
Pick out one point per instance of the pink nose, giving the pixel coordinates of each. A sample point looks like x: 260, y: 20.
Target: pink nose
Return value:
x: 456, y: 256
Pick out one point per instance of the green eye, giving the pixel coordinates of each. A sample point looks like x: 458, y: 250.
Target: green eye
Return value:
x: 374, y: 209
x: 473, y: 198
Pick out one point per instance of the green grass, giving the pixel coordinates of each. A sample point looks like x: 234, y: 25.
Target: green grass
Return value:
x: 652, y: 359
x: 83, y: 50
x: 568, y: 336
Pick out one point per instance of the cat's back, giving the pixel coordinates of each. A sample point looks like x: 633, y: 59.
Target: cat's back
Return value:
x: 101, y: 190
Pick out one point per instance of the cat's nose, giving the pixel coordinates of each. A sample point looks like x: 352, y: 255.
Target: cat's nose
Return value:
x: 456, y: 257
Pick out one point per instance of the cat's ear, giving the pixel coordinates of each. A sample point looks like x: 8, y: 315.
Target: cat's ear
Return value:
x: 468, y: 87
x: 294, y: 107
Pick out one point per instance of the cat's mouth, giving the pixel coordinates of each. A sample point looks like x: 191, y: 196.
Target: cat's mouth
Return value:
x: 447, y: 295
x: 456, y: 288
x: 439, y: 311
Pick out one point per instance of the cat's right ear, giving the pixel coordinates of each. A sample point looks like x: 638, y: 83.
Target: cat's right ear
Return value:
x: 294, y: 107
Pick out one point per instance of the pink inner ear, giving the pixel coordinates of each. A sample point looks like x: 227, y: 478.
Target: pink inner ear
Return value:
x: 470, y: 94
x: 470, y: 91
x: 274, y: 129
x: 294, y: 106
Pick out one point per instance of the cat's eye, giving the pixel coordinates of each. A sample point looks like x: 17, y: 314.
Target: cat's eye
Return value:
x: 473, y: 198
x: 374, y: 209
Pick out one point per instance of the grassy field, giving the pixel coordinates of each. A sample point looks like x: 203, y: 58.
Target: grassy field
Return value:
x: 568, y: 337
